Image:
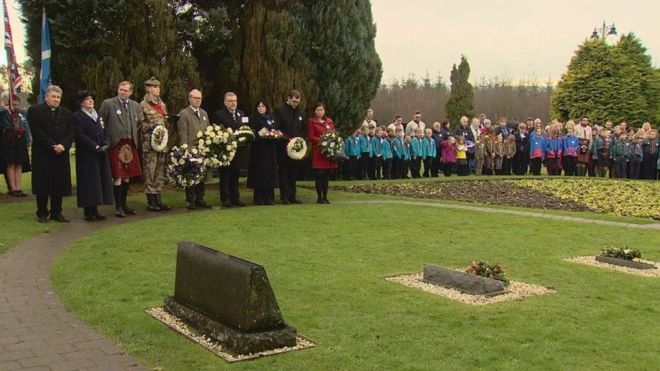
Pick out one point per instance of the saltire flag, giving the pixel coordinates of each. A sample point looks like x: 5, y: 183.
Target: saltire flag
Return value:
x: 14, y: 77
x: 44, y: 77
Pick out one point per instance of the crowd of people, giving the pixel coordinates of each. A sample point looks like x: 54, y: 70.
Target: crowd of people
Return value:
x: 476, y: 146
x: 115, y: 144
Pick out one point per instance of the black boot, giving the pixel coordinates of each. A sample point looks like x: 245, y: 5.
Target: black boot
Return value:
x: 118, y: 192
x: 88, y: 215
x: 96, y: 215
x: 160, y: 203
x: 151, y: 203
x: 127, y: 210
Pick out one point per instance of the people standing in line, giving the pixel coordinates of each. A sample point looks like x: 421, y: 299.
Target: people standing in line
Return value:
x: 122, y: 116
x: 289, y: 120
x: 154, y: 112
x: 53, y: 133
x: 262, y: 169
x: 94, y: 179
x: 15, y: 139
x: 322, y: 166
x: 192, y: 120
x: 233, y: 118
x: 415, y: 124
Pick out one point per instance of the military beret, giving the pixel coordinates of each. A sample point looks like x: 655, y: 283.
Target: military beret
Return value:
x: 152, y: 82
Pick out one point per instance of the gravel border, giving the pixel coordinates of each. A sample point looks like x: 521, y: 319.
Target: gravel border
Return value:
x: 212, y: 346
x: 515, y: 290
x: 591, y: 260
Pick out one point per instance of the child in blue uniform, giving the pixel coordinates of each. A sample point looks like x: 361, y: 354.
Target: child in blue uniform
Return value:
x: 387, y: 154
x: 416, y: 153
x: 365, y: 152
x: 428, y: 151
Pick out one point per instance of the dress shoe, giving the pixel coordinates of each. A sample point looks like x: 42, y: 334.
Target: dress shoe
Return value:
x: 202, y: 204
x: 190, y: 206
x: 18, y: 193
x: 59, y: 218
x: 98, y: 216
x: 320, y: 201
x: 325, y: 200
x: 128, y: 211
x: 119, y: 213
x: 42, y: 219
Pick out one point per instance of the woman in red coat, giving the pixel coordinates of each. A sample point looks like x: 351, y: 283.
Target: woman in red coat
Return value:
x: 322, y: 166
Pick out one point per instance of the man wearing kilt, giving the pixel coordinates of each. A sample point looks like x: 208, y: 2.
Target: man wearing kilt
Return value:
x: 122, y: 117
x: 154, y: 113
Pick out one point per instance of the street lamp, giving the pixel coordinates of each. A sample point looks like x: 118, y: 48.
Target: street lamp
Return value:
x: 604, y: 31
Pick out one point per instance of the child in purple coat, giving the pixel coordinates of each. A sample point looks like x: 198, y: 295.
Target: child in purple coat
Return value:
x: 449, y: 155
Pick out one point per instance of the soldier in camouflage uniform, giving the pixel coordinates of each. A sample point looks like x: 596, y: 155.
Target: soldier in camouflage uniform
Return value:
x: 155, y: 113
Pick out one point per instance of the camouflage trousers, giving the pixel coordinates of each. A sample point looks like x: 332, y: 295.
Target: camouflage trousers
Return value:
x: 154, y: 171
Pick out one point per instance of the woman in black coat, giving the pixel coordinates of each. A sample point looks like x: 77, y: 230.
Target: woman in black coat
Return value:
x: 262, y: 170
x: 92, y: 165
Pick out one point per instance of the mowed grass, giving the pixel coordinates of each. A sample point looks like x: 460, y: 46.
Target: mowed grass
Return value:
x: 326, y: 263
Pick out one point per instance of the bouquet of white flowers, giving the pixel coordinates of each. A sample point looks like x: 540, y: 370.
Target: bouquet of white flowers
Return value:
x: 265, y: 133
x: 332, y: 146
x: 244, y: 135
x: 296, y: 149
x: 185, y: 167
x: 159, y: 137
x: 218, y: 145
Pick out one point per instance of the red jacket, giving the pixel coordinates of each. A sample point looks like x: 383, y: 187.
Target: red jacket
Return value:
x: 315, y: 129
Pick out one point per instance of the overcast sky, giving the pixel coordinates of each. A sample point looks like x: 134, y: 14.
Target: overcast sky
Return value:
x: 505, y: 38
x: 502, y: 38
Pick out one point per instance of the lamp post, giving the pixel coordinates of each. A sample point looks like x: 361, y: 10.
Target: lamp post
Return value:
x: 604, y: 31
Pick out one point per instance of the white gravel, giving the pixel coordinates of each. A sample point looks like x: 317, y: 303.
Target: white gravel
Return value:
x: 591, y: 260
x: 515, y: 290
x: 211, y: 345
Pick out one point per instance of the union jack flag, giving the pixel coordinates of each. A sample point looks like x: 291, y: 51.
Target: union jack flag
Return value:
x: 13, y: 76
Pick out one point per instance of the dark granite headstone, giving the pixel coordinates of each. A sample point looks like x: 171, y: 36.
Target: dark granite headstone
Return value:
x: 624, y: 262
x: 228, y: 299
x: 461, y: 281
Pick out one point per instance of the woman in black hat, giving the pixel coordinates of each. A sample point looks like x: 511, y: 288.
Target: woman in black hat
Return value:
x: 94, y: 180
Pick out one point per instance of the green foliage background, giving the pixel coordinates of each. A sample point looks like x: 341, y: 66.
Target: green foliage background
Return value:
x: 461, y: 97
x: 259, y: 49
x: 609, y: 82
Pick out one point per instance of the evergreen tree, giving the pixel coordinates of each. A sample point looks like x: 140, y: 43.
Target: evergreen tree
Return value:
x: 607, y: 82
x: 461, y: 96
x: 96, y: 44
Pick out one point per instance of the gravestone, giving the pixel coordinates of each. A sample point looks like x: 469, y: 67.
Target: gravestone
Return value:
x: 227, y: 299
x: 624, y: 262
x: 461, y: 281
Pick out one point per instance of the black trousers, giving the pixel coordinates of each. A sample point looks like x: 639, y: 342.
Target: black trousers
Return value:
x: 649, y: 166
x: 387, y: 169
x: 55, y: 206
x: 428, y: 163
x: 415, y: 166
x: 288, y: 174
x: 449, y: 168
x: 569, y: 165
x: 520, y: 161
x: 229, y: 185
x: 394, y: 171
x: 264, y: 195
x: 535, y: 166
x: 403, y: 168
x: 364, y: 165
x: 195, y: 194
x: 349, y: 168
x: 635, y: 165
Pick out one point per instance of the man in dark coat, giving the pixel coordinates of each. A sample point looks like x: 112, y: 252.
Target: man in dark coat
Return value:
x: 52, y: 132
x: 288, y: 120
x: 231, y: 117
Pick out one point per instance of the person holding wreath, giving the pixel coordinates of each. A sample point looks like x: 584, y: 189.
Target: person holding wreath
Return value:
x: 262, y: 170
x: 322, y: 166
x: 94, y: 186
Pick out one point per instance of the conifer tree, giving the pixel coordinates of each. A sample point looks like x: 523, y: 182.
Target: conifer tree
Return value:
x: 461, y: 96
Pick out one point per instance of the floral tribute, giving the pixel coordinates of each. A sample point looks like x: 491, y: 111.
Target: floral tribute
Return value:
x: 244, y: 136
x: 218, y: 145
x: 159, y: 137
x: 488, y: 270
x: 296, y: 149
x: 332, y: 146
x: 619, y: 253
x: 185, y: 167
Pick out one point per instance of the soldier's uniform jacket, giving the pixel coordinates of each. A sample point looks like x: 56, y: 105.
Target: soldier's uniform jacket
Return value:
x: 154, y: 113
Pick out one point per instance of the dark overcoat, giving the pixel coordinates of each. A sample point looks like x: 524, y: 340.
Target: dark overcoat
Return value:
x: 51, y: 173
x: 225, y: 118
x: 94, y: 180
x: 262, y: 171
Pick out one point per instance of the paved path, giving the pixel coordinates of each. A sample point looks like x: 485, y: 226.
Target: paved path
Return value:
x: 653, y: 226
x: 36, y: 331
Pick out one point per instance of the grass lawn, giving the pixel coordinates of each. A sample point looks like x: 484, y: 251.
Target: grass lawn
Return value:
x: 325, y: 263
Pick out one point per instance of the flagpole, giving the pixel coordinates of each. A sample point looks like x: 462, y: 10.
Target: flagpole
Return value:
x: 44, y: 77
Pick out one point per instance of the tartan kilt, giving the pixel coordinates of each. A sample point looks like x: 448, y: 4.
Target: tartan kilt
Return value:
x: 118, y: 168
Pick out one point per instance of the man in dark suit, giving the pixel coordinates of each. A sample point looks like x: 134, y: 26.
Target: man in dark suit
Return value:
x: 53, y: 132
x: 122, y: 117
x: 192, y: 120
x: 288, y: 120
x: 231, y: 117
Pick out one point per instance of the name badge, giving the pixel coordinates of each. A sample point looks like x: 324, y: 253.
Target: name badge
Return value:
x: 119, y: 112
x: 204, y: 118
x: 299, y: 118
x: 245, y: 120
